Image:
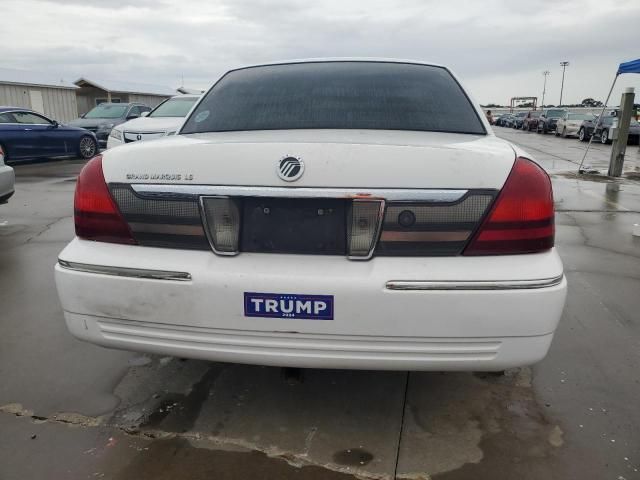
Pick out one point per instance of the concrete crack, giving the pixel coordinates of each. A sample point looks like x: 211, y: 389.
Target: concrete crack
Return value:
x: 293, y: 459
x: 46, y: 228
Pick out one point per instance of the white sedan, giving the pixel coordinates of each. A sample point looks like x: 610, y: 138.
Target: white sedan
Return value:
x: 331, y: 213
x: 7, y: 179
x: 163, y: 120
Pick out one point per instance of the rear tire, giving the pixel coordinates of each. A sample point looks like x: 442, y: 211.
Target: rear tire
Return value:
x: 604, y: 137
x: 87, y: 147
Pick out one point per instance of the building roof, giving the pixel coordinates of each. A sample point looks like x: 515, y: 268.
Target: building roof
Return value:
x: 29, y: 77
x: 127, y: 87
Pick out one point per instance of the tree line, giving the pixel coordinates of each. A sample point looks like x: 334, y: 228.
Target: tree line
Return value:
x: 587, y: 102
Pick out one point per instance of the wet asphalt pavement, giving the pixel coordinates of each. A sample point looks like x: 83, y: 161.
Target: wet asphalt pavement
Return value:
x: 70, y: 410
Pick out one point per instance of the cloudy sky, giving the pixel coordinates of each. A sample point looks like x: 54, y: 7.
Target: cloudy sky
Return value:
x: 499, y: 48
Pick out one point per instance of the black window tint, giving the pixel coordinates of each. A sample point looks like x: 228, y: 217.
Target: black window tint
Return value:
x: 336, y: 95
x: 6, y: 118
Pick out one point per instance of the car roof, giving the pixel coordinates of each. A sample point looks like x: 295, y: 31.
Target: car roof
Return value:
x: 11, y: 109
x: 339, y: 60
x: 121, y: 103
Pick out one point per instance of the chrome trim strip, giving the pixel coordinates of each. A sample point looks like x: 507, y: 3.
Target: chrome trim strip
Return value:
x: 389, y: 194
x: 126, y: 272
x: 474, y: 285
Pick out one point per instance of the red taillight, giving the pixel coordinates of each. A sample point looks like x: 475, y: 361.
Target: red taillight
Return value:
x: 96, y: 214
x: 521, y: 219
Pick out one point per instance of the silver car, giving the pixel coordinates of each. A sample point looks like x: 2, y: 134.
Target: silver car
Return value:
x: 7, y: 179
x: 569, y: 123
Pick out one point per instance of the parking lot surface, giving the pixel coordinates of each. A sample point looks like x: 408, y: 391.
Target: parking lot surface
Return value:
x: 74, y: 410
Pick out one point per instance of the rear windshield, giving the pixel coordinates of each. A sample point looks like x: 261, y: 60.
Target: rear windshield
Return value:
x: 174, y: 107
x: 555, y: 113
x: 336, y: 95
x: 107, y: 110
x: 580, y: 116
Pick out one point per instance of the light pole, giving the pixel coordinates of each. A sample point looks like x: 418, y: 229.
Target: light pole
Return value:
x: 563, y: 65
x: 544, y: 88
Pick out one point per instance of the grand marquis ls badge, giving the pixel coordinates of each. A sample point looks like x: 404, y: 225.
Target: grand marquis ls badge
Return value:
x: 290, y: 169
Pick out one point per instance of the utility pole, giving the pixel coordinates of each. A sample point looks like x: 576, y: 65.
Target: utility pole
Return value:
x: 564, y: 65
x: 619, y: 148
x: 544, y: 88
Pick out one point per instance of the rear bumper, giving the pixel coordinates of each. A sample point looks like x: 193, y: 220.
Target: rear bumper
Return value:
x: 7, y: 181
x: 571, y: 129
x: 435, y: 325
x: 312, y: 351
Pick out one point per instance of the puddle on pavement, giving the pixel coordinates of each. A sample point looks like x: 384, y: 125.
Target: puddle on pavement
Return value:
x: 177, y: 458
x: 478, y: 426
x: 178, y: 412
x: 352, y: 457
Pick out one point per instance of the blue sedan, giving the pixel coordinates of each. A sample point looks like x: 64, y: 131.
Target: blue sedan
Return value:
x: 27, y: 134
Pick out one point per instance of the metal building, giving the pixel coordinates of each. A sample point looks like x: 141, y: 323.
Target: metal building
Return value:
x: 91, y: 93
x: 41, y: 92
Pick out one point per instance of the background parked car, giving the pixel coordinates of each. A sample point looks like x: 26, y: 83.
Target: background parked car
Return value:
x: 7, y: 179
x: 586, y: 128
x: 28, y: 134
x: 548, y: 120
x: 518, y: 119
x: 163, y: 120
x: 508, y: 120
x: 603, y: 130
x: 105, y: 116
x: 530, y: 121
x: 501, y: 119
x: 569, y: 123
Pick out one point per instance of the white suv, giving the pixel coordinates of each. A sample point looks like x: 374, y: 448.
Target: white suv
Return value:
x: 326, y: 213
x: 163, y: 120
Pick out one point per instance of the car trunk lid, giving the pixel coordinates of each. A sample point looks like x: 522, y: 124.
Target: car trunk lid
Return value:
x: 418, y: 193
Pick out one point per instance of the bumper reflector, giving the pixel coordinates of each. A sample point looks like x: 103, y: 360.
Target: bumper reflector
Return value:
x: 221, y: 217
